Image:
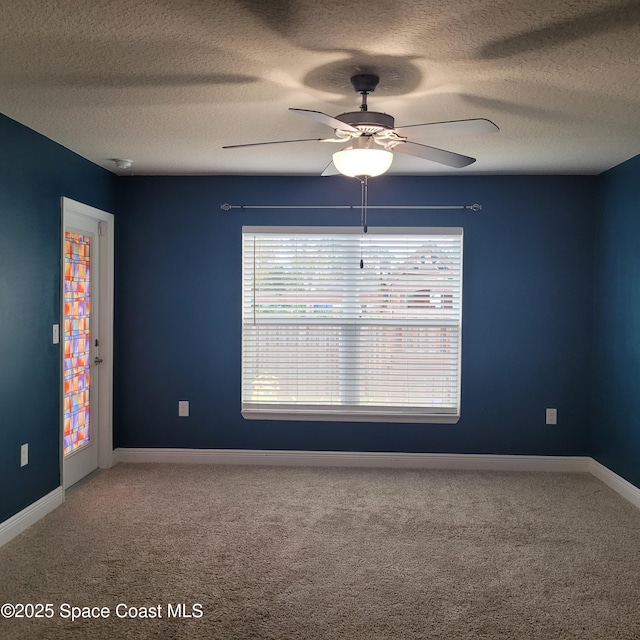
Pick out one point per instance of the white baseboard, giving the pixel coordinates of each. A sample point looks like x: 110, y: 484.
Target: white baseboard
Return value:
x: 469, y: 462
x: 15, y: 525
x: 475, y: 462
x: 616, y: 482
x: 18, y: 523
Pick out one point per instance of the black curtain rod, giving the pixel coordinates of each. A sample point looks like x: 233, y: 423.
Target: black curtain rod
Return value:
x: 461, y: 207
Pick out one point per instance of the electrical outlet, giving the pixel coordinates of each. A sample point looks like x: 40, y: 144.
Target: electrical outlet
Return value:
x: 24, y: 455
x: 183, y: 408
x: 552, y: 416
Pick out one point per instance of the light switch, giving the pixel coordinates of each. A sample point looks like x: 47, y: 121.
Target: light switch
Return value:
x: 56, y: 334
x: 24, y: 455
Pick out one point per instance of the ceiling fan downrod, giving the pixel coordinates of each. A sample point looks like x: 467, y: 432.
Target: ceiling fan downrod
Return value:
x: 364, y: 84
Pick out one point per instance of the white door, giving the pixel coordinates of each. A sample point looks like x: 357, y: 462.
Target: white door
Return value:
x: 84, y: 348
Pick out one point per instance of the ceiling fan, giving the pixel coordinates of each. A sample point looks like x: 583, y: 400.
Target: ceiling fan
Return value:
x: 374, y: 138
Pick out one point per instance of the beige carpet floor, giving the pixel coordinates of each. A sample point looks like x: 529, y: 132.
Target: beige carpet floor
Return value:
x: 301, y: 553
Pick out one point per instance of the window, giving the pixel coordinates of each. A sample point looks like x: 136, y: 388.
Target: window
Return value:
x: 324, y: 339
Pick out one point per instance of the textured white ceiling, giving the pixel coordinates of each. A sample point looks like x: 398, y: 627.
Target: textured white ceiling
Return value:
x: 167, y: 83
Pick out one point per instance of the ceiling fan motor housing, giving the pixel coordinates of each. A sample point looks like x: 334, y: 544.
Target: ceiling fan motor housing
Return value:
x: 367, y: 121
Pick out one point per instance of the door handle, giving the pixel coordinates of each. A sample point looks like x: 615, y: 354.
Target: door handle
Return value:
x: 97, y: 360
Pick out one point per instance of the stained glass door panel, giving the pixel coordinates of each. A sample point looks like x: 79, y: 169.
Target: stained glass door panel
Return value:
x: 80, y: 321
x: 77, y: 341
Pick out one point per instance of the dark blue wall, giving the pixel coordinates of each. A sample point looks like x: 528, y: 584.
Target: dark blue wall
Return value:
x: 34, y: 173
x: 527, y: 310
x: 616, y: 416
x: 531, y: 259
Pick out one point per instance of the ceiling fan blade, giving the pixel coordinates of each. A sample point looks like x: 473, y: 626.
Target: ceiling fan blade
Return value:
x: 475, y: 125
x: 435, y: 155
x: 330, y: 170
x: 334, y: 123
x: 258, y: 144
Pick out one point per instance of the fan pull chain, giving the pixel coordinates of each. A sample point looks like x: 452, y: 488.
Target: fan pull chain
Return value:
x: 364, y: 193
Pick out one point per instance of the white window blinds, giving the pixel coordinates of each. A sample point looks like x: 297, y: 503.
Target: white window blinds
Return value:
x: 324, y: 339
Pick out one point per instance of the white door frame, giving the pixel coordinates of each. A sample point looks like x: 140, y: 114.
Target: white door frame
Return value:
x: 105, y: 324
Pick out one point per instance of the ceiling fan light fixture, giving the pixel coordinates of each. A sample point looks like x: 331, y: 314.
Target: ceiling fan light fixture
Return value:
x: 374, y: 137
x: 362, y: 160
